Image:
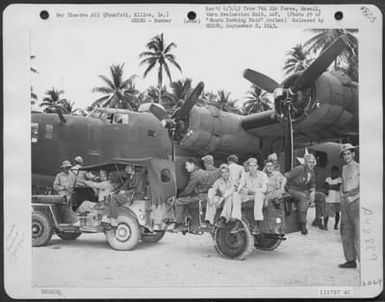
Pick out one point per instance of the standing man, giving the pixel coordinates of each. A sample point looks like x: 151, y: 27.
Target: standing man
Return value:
x: 350, y: 207
x: 301, y: 186
x: 213, y: 172
x: 253, y: 186
x: 237, y: 172
x: 64, y: 180
x: 195, y: 190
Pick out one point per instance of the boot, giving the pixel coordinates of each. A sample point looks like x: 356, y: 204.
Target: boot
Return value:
x: 237, y: 227
x: 303, y: 228
x: 255, y: 230
x: 319, y: 224
x: 326, y: 219
x: 221, y: 223
x: 348, y: 264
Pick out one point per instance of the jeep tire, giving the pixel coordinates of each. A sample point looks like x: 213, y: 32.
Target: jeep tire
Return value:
x: 233, y: 246
x: 126, y: 235
x: 41, y: 229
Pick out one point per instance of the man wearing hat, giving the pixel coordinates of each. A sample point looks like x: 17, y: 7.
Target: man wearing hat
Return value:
x: 301, y: 186
x: 64, y: 180
x: 253, y: 186
x: 350, y: 207
x: 214, y: 174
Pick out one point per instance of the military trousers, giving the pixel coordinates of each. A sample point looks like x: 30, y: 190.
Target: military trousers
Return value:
x: 259, y: 200
x: 181, y: 206
x: 302, y: 199
x: 350, y: 228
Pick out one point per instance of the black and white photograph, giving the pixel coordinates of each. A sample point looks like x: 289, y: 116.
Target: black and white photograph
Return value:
x: 178, y: 152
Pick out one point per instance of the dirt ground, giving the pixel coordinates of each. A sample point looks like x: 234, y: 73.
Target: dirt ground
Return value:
x: 191, y: 260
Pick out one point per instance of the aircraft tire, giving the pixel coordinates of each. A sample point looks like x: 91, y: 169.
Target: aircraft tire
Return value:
x: 266, y: 244
x: 152, y: 238
x: 41, y: 229
x: 233, y: 246
x: 68, y: 236
x: 126, y: 235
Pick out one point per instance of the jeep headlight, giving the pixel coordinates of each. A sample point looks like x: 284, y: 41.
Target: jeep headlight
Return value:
x: 278, y: 220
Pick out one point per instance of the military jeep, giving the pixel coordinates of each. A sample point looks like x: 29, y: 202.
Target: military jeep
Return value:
x: 141, y: 217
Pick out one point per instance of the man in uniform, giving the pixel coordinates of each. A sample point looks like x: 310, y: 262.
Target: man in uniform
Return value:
x: 301, y: 186
x: 237, y: 172
x: 253, y: 186
x: 350, y: 207
x: 213, y: 172
x: 64, y: 180
x: 194, y: 191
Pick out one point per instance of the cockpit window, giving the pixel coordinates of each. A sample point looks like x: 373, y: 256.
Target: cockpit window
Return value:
x: 48, y: 131
x: 112, y: 116
x: 34, y: 132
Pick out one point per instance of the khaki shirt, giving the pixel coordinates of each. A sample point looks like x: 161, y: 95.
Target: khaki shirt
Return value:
x: 64, y: 183
x: 257, y: 183
x: 351, y: 181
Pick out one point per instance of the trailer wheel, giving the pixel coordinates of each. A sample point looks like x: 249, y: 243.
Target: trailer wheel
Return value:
x: 41, y: 229
x: 126, y: 235
x: 233, y: 246
x: 68, y: 236
x: 266, y: 244
x: 152, y: 238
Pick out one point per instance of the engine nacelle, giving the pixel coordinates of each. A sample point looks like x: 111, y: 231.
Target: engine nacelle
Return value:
x: 210, y: 129
x: 331, y: 101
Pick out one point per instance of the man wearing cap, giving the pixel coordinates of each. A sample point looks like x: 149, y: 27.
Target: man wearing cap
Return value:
x: 213, y: 172
x: 253, y: 186
x: 350, y: 207
x: 224, y: 191
x: 64, y: 180
x: 195, y: 190
x: 274, y: 159
x: 301, y: 186
x: 237, y: 172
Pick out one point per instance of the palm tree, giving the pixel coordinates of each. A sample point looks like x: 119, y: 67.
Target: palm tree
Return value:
x: 159, y: 54
x: 181, y: 89
x: 118, y: 93
x: 53, y: 102
x: 166, y: 99
x: 323, y: 38
x: 257, y: 100
x: 298, y: 60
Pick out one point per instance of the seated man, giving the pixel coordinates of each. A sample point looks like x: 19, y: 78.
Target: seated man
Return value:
x: 301, y: 186
x: 135, y: 181
x: 224, y: 191
x: 107, y: 187
x: 194, y: 191
x: 276, y: 183
x: 253, y: 186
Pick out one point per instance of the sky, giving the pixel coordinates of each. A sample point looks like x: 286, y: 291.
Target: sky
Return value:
x: 72, y: 59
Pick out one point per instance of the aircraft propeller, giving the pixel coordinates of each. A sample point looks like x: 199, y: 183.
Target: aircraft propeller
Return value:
x: 290, y: 97
x: 176, y: 122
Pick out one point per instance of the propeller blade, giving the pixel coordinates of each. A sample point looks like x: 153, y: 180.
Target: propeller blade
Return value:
x: 320, y: 64
x: 260, y: 80
x: 184, y: 111
x: 159, y: 112
x: 289, y: 143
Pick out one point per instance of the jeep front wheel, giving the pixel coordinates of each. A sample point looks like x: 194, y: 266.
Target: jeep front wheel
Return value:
x: 41, y: 229
x: 126, y: 235
x: 234, y: 246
